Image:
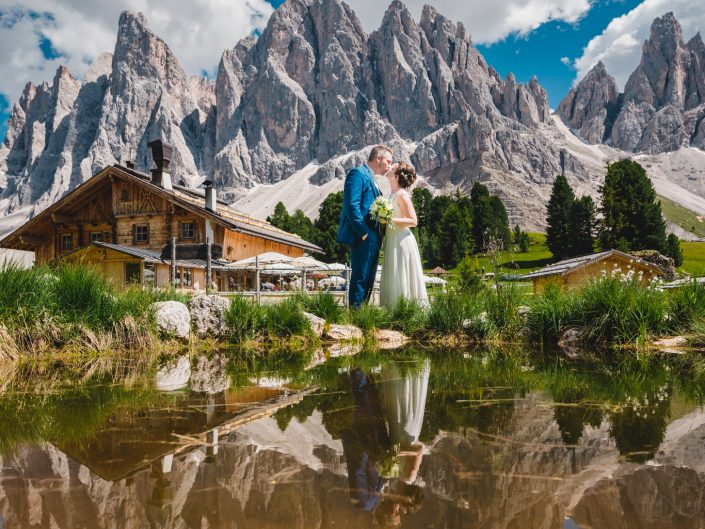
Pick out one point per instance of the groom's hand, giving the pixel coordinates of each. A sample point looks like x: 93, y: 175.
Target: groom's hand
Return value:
x: 364, y: 237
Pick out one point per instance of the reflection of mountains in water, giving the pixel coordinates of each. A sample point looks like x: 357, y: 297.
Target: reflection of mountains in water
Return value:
x: 520, y: 474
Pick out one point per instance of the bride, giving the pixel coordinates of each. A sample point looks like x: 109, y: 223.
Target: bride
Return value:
x: 402, y: 273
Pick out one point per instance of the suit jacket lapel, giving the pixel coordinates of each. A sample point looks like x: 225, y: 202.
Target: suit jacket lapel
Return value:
x: 371, y: 176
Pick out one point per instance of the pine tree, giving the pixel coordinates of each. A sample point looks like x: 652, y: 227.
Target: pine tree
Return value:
x: 673, y: 249
x: 326, y: 229
x: 422, y: 198
x: 558, y: 219
x: 631, y: 213
x: 499, y: 222
x: 582, y: 227
x: 280, y: 218
x: 301, y: 225
x: 481, y: 215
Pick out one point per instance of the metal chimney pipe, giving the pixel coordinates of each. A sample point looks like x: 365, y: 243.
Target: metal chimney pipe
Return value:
x: 211, y: 199
x: 161, y: 154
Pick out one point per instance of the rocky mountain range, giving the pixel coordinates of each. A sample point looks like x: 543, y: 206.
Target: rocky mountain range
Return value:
x: 291, y: 111
x: 663, y: 103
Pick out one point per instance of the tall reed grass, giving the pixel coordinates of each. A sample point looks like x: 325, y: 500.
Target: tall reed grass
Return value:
x: 44, y: 309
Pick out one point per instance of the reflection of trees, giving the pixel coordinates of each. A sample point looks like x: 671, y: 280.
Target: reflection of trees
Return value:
x: 572, y: 419
x: 639, y: 427
x: 571, y: 412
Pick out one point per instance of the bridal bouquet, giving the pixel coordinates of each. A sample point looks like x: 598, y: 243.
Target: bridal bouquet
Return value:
x: 382, y: 209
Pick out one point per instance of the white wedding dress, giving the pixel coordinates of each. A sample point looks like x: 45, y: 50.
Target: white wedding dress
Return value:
x: 402, y: 272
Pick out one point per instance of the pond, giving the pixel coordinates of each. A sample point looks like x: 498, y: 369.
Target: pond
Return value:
x: 453, y: 439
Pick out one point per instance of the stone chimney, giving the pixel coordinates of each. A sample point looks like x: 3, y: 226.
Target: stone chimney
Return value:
x: 161, y: 154
x: 211, y: 199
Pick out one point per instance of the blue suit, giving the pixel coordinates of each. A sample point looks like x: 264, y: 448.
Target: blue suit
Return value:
x: 358, y: 194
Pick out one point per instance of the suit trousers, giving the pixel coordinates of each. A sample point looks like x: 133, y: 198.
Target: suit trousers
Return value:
x: 364, y: 258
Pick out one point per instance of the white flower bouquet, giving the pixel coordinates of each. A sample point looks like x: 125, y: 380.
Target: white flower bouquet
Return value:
x: 382, y: 209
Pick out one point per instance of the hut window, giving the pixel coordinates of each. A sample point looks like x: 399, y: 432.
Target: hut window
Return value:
x: 67, y: 241
x: 132, y: 273
x: 125, y: 195
x: 186, y: 277
x: 141, y: 233
x: 96, y: 236
x: 188, y: 229
x: 150, y: 276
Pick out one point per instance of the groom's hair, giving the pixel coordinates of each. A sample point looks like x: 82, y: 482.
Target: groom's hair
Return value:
x: 377, y: 151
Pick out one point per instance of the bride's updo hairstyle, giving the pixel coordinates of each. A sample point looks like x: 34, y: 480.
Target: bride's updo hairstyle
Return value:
x: 406, y: 175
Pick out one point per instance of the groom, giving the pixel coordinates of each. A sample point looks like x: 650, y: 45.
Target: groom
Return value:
x: 357, y: 229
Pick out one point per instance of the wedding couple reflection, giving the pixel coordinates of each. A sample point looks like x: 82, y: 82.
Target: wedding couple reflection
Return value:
x: 382, y: 450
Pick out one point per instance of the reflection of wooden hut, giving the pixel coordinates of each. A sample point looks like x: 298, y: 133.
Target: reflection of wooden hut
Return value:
x: 130, y: 442
x: 123, y: 221
x: 577, y: 271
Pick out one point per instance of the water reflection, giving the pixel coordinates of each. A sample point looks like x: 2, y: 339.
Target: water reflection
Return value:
x: 417, y: 441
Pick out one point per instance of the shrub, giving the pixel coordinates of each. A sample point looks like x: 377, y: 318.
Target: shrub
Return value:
x: 82, y: 295
x: 620, y: 310
x: 685, y: 305
x: 450, y: 309
x: 245, y: 319
x: 407, y: 316
x: 551, y: 312
x: 23, y: 293
x: 369, y: 317
x: 286, y: 318
x: 324, y: 305
x: 501, y: 307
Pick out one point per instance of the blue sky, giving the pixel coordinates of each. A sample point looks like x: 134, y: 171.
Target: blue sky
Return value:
x: 549, y: 45
x: 540, y: 52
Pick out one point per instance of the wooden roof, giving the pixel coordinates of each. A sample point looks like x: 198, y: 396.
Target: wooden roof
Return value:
x: 568, y: 266
x: 148, y: 256
x: 186, y: 198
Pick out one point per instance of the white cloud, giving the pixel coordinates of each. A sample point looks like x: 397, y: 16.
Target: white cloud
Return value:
x: 565, y: 60
x: 619, y: 45
x: 196, y: 30
x: 487, y: 21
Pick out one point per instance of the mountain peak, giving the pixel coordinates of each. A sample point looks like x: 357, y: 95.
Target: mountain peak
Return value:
x: 588, y: 109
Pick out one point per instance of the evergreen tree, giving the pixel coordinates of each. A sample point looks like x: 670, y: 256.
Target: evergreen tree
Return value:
x: 524, y: 242
x: 631, y: 213
x: 481, y: 215
x: 582, y: 227
x: 326, y: 229
x: 558, y: 219
x: 280, y: 218
x: 301, y: 225
x: 520, y: 239
x: 454, y: 234
x: 499, y: 222
x: 422, y: 198
x: 673, y: 249
x: 516, y: 237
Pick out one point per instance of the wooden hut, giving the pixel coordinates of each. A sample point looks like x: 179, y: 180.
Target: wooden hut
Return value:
x: 125, y: 223
x: 577, y: 271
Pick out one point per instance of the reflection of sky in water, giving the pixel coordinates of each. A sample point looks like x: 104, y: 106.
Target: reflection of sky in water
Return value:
x: 444, y: 440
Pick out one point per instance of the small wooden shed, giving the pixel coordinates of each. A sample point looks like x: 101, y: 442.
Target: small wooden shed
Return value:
x: 577, y: 271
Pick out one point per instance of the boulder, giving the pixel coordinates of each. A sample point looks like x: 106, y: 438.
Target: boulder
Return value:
x: 665, y: 264
x: 317, y: 324
x: 173, y: 319
x: 388, y: 339
x: 343, y: 332
x: 208, y: 315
